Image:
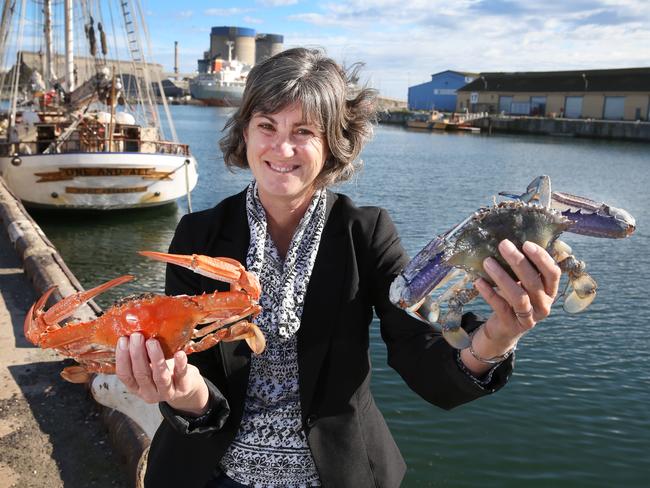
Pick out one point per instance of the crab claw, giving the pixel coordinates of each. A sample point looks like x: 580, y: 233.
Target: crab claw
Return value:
x: 37, y: 321
x: 222, y: 269
x: 32, y: 328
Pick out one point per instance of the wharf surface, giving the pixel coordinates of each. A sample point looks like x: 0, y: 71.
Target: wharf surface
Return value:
x: 554, y: 126
x: 52, y: 433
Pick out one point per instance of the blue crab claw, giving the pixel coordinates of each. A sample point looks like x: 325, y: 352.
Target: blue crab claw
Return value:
x: 595, y: 219
x: 588, y: 217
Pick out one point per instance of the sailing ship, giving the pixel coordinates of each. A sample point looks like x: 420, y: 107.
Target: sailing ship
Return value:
x: 82, y: 128
x: 223, y: 85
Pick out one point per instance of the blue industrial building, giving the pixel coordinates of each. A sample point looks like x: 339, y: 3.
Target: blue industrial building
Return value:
x: 440, y: 92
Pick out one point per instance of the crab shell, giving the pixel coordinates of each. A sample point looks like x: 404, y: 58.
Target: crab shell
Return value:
x: 517, y: 221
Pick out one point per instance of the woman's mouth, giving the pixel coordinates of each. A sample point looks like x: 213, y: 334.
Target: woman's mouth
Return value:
x: 281, y: 168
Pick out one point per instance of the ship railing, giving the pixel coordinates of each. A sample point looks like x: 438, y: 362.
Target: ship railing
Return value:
x: 94, y: 145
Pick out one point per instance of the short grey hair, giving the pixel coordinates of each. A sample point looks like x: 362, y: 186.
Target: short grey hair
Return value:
x: 329, y: 99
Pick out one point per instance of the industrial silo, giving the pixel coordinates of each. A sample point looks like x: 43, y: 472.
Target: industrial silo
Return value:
x: 267, y: 45
x: 243, y: 47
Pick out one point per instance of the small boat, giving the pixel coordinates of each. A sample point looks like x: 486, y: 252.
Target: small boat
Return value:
x: 82, y: 131
x: 424, y: 121
x: 440, y: 121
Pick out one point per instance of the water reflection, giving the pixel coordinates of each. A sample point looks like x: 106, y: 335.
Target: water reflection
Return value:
x: 98, y: 246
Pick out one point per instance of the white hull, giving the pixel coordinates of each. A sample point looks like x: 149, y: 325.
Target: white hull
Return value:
x: 99, y: 181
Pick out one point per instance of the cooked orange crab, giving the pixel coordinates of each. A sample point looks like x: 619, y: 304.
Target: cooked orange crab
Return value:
x: 169, y: 319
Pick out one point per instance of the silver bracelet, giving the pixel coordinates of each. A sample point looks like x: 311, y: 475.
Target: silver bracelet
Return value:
x: 491, y: 361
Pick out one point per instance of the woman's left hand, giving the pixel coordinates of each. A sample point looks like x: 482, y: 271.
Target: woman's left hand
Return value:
x: 517, y: 305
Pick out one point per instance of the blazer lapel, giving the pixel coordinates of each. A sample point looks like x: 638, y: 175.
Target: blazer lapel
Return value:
x: 322, y: 302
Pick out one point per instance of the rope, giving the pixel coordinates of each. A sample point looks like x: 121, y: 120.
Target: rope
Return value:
x: 187, y: 185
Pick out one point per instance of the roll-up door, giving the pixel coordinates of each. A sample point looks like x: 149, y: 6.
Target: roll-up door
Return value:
x: 614, y: 108
x: 573, y: 107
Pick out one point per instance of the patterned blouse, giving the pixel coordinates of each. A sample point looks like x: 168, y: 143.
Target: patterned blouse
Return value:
x: 270, y: 448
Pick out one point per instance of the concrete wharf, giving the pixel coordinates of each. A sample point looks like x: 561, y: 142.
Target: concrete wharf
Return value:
x: 52, y: 433
x: 553, y: 126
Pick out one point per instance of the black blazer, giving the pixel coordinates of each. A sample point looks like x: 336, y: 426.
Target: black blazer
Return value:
x: 359, y: 255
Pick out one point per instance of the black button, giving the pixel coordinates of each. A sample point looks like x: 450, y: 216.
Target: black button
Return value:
x: 311, y: 420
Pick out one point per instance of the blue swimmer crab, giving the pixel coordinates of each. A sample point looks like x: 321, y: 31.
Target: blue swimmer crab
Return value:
x: 538, y: 215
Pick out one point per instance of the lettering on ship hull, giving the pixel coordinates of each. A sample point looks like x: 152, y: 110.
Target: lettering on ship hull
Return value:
x: 64, y: 174
x: 99, y: 191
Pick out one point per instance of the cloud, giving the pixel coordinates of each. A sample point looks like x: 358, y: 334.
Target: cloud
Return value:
x: 185, y: 14
x: 252, y: 20
x: 226, y: 12
x: 276, y: 3
x: 532, y: 36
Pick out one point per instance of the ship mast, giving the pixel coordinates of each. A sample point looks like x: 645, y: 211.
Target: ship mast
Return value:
x: 49, y: 54
x: 69, y: 46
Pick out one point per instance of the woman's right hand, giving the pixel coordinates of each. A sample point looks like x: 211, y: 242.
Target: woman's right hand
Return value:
x: 145, y: 372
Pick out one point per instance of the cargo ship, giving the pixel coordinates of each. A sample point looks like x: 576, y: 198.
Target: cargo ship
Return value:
x: 224, y: 84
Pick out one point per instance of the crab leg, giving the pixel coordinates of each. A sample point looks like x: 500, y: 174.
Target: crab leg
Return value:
x: 222, y: 269
x: 537, y: 191
x: 460, y: 295
x: 224, y: 322
x: 241, y: 330
x: 582, y: 284
x: 37, y: 322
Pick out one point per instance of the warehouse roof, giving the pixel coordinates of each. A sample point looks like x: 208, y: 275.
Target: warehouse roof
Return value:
x: 628, y: 79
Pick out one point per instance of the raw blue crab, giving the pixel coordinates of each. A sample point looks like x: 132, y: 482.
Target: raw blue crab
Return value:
x: 538, y: 215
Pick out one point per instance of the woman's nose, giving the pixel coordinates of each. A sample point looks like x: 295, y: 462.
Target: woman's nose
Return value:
x: 284, y: 147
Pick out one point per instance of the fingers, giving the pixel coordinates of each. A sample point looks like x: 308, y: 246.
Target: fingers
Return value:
x: 140, y: 366
x: 493, y: 299
x: 160, y: 373
x: 528, y: 274
x: 516, y: 297
x: 531, y: 298
x: 123, y: 368
x: 180, y: 365
x: 546, y: 265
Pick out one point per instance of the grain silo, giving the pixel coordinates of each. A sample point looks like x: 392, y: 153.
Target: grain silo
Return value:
x: 243, y: 47
x: 267, y: 45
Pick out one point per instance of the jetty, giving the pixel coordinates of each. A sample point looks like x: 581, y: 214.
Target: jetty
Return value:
x: 52, y: 433
x: 489, y: 123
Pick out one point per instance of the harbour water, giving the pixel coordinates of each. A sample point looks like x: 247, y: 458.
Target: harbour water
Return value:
x: 576, y: 411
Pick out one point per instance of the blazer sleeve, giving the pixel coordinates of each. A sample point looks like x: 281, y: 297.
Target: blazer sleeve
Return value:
x: 426, y: 362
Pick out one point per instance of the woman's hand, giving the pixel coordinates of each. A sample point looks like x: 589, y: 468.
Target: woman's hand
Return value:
x: 145, y: 372
x: 517, y: 305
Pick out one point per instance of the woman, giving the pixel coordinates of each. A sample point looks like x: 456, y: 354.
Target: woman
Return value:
x: 301, y: 413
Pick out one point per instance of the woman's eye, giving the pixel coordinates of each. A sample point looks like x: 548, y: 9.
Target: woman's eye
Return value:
x: 265, y: 126
x: 305, y: 132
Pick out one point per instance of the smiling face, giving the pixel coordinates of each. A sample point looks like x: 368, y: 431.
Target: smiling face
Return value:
x: 286, y: 153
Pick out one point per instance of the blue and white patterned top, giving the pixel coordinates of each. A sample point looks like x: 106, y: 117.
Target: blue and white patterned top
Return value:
x: 270, y: 448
